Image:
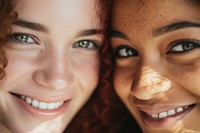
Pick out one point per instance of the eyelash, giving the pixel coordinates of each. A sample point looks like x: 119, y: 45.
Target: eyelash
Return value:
x: 178, y: 47
x: 86, y: 44
x: 17, y: 36
x: 183, y: 46
x: 124, y: 51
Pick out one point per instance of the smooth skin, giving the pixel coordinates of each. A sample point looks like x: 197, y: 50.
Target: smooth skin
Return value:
x: 53, y: 56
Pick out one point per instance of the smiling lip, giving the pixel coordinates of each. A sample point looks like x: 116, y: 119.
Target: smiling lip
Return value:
x: 42, y: 110
x: 167, y: 118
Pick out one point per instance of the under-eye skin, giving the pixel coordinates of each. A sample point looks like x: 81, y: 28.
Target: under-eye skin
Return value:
x: 183, y: 46
x: 125, y: 51
x: 22, y: 38
x: 86, y: 44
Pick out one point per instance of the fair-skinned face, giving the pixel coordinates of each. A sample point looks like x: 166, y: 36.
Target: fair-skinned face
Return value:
x: 157, y: 54
x: 53, y: 64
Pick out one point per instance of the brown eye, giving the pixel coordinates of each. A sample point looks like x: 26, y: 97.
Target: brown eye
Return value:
x: 184, y: 46
x: 125, y: 52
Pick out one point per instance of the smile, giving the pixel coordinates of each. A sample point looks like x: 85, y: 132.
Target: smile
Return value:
x: 42, y: 110
x: 169, y: 112
x: 165, y: 118
x: 40, y: 104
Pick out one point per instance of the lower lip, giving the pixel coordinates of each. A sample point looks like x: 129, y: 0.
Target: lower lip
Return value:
x: 164, y: 122
x: 40, y: 113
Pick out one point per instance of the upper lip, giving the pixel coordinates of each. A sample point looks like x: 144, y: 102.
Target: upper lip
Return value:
x: 47, y: 98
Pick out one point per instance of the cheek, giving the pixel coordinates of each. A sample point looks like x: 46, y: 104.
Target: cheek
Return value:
x: 17, y: 67
x: 123, y: 79
x: 87, y: 74
x: 188, y: 76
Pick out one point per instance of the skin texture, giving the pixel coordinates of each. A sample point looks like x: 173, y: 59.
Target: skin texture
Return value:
x: 157, y: 66
x: 50, y: 64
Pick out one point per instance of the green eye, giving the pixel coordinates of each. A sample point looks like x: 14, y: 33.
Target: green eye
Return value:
x: 85, y: 44
x: 184, y: 46
x: 23, y: 38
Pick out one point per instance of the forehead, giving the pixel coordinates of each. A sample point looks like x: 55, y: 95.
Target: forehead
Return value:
x: 148, y: 14
x: 58, y: 12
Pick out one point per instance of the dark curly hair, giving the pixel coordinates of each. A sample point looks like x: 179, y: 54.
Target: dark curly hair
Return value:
x: 7, y: 17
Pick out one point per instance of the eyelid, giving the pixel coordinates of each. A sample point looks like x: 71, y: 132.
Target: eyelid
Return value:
x: 35, y: 39
x: 95, y: 43
x: 178, y: 42
x: 115, y: 51
x: 121, y: 46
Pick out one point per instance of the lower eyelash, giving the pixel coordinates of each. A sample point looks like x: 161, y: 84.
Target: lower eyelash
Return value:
x: 182, y: 42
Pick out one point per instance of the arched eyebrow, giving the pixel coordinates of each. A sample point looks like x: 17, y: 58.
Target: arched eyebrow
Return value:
x: 174, y: 26
x: 90, y: 32
x: 118, y: 34
x: 160, y: 30
x: 39, y: 27
x: 30, y: 25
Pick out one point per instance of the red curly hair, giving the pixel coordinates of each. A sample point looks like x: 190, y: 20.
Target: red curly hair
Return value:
x: 90, y: 115
x: 7, y: 16
x: 101, y: 113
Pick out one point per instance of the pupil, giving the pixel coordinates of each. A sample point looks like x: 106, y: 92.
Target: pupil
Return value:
x: 83, y: 44
x: 129, y: 52
x: 22, y: 38
x: 188, y: 46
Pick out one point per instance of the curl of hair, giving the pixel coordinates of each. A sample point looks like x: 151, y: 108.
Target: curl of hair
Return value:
x: 101, y: 113
x: 7, y: 16
x: 89, y: 115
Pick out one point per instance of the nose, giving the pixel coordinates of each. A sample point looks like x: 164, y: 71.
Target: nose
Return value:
x: 53, y: 72
x: 149, y: 84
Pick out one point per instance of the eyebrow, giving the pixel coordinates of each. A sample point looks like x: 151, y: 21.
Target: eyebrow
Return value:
x: 30, y: 25
x: 90, y: 32
x: 42, y: 28
x: 174, y: 26
x: 118, y: 34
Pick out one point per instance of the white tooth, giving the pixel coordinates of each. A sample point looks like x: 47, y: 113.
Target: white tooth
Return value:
x: 154, y: 115
x: 57, y: 105
x: 35, y: 103
x: 22, y: 97
x: 28, y: 100
x: 163, y: 115
x: 186, y: 107
x: 51, y: 106
x: 171, y: 112
x: 61, y: 103
x: 43, y: 105
x: 179, y: 109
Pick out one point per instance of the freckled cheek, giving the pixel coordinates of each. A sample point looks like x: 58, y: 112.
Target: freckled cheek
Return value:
x: 189, y: 79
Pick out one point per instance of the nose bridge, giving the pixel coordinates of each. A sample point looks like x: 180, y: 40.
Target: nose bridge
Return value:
x: 149, y: 83
x: 54, y: 71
